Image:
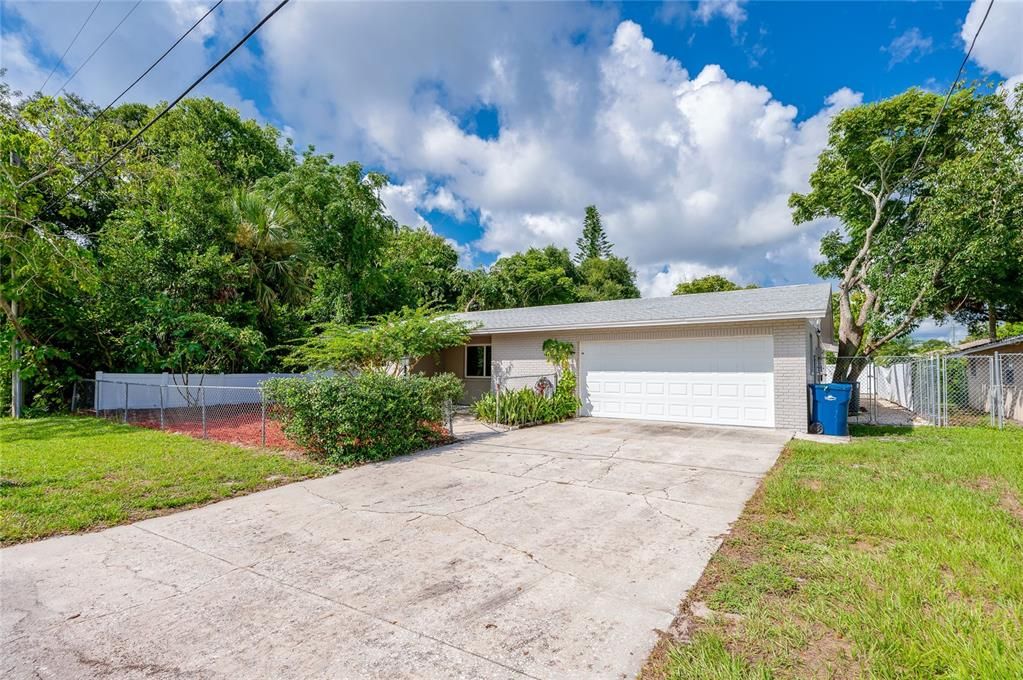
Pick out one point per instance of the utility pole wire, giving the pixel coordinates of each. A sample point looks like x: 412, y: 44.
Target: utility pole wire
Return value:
x: 170, y: 106
x: 69, y: 45
x: 948, y: 96
x: 135, y: 82
x: 101, y: 44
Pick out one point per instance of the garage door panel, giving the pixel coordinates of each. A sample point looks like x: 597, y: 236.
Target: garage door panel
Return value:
x: 713, y: 381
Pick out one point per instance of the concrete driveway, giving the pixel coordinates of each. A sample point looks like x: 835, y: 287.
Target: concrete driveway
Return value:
x: 548, y: 552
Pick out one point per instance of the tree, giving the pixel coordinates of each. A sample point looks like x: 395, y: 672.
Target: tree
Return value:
x: 877, y: 168
x: 394, y: 342
x: 418, y: 269
x: 538, y: 276
x: 593, y: 242
x: 977, y: 203
x: 712, y: 283
x: 605, y: 278
x: 273, y: 259
x: 344, y: 226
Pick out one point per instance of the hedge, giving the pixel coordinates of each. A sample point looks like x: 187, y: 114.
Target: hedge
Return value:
x: 366, y: 417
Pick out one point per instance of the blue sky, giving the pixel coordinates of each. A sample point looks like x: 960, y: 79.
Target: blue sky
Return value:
x: 688, y: 124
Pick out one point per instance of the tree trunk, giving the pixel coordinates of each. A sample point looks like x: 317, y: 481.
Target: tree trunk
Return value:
x: 992, y: 322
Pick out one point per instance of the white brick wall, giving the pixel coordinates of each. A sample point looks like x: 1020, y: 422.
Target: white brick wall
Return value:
x: 521, y: 354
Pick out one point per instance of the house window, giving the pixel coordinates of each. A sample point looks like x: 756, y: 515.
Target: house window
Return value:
x: 477, y: 361
x: 1008, y: 374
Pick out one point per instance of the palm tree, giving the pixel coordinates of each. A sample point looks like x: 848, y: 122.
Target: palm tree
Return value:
x: 275, y: 260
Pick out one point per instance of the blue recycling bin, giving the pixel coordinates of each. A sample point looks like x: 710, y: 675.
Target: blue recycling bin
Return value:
x: 830, y: 407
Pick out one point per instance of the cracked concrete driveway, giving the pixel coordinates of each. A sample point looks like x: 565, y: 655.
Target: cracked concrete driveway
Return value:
x: 547, y: 552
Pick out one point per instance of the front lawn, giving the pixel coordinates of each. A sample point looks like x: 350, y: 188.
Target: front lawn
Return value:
x: 66, y: 474
x: 897, y: 556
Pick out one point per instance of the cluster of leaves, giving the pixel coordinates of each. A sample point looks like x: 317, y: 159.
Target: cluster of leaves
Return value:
x: 551, y: 276
x: 712, y: 283
x: 371, y: 416
x: 396, y: 341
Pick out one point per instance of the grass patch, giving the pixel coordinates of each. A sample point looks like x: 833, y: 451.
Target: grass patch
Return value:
x: 68, y: 474
x: 896, y: 556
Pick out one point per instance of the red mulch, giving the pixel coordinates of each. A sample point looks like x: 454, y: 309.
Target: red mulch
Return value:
x: 237, y: 428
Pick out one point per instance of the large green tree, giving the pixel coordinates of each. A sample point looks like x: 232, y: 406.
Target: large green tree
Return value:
x: 605, y: 278
x: 418, y: 270
x: 977, y: 204
x: 873, y: 177
x: 537, y: 276
x: 593, y: 242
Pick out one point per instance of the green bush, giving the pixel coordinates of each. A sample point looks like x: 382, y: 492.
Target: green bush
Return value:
x: 528, y: 406
x: 531, y: 406
x: 367, y: 417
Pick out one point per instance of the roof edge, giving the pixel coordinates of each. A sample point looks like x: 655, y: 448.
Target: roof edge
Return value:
x: 783, y: 316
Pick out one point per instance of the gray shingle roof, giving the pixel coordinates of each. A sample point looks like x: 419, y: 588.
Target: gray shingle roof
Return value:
x: 808, y: 301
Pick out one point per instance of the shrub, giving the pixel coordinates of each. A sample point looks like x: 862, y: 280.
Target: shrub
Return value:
x: 366, y: 417
x: 530, y: 406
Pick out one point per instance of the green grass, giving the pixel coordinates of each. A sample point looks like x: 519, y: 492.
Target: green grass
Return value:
x: 897, y: 556
x: 67, y: 474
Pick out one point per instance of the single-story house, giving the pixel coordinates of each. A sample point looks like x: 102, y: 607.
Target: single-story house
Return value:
x: 740, y: 357
x: 979, y: 357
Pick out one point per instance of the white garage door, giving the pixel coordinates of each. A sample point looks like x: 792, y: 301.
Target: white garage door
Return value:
x: 720, y: 381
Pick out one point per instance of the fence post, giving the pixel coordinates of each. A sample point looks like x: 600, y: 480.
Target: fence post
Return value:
x: 125, y: 402
x: 74, y: 396
x: 161, y: 406
x: 262, y: 417
x: 95, y: 396
x: 202, y: 400
x: 992, y: 392
x: 998, y: 391
x: 497, y: 401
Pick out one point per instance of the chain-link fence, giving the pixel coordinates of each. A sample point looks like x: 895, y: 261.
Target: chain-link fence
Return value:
x: 950, y: 390
x: 241, y: 415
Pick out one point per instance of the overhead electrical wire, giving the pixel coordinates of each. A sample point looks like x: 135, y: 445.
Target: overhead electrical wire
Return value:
x: 69, y: 45
x: 951, y: 90
x: 135, y: 82
x: 99, y: 46
x: 117, y: 152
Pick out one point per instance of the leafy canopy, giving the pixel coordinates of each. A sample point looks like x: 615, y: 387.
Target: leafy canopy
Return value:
x: 712, y: 283
x: 396, y: 338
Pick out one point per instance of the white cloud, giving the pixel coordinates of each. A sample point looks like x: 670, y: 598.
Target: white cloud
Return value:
x: 909, y: 43
x: 661, y: 282
x: 688, y: 171
x: 998, y: 45
x: 731, y: 10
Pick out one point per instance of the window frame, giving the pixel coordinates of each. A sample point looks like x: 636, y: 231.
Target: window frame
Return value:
x: 487, y: 364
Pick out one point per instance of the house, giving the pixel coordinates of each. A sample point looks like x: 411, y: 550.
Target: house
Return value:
x: 733, y: 358
x: 994, y: 365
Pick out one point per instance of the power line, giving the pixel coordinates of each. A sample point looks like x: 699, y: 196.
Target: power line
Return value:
x: 135, y: 82
x: 948, y: 96
x: 92, y: 173
x: 101, y: 44
x: 69, y: 45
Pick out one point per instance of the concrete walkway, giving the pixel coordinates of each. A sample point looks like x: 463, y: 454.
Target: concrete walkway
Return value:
x: 548, y: 552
